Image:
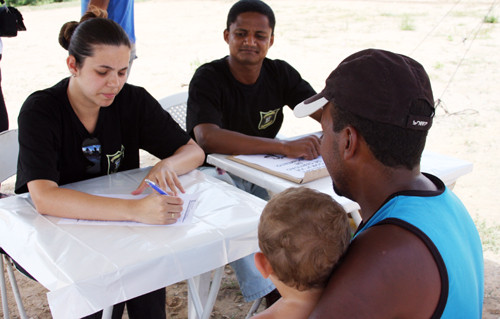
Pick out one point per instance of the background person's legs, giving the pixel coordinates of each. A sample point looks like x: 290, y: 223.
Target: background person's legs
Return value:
x: 252, y: 284
x: 151, y: 305
x: 249, y: 187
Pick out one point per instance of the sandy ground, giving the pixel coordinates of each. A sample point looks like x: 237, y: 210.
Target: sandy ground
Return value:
x: 460, y: 53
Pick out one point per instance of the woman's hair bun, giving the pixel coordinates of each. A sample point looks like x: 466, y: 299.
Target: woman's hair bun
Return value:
x: 69, y: 27
x: 66, y: 32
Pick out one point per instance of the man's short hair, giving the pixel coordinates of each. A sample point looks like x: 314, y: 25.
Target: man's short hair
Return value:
x: 243, y: 6
x: 303, y: 233
x: 391, y: 145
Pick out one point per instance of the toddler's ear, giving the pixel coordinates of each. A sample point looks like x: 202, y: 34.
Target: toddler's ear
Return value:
x: 263, y: 264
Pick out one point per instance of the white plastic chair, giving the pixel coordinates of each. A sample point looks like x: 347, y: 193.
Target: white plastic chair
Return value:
x: 253, y: 309
x: 9, y: 149
x: 176, y: 105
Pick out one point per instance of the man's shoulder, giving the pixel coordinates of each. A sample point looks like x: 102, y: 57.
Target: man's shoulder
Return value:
x: 389, y: 247
x: 382, y: 236
x: 280, y: 69
x: 277, y: 64
x: 215, y: 66
x: 214, y: 74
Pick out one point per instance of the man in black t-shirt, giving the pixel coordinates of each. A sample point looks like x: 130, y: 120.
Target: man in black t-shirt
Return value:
x: 235, y: 103
x: 235, y: 106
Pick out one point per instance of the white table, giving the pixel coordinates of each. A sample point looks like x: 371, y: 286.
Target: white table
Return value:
x: 447, y: 168
x: 89, y: 268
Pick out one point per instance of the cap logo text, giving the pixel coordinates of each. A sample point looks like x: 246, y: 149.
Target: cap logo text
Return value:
x: 420, y: 123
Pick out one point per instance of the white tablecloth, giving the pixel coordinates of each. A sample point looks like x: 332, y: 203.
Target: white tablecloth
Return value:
x: 88, y: 268
x: 447, y: 168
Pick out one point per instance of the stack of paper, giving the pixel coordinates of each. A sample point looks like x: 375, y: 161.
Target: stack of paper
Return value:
x: 297, y: 170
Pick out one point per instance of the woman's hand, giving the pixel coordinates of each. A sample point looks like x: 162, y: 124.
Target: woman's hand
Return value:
x: 163, y: 175
x: 158, y: 209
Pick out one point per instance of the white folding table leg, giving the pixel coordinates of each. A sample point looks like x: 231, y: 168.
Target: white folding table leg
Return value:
x: 15, y: 289
x: 107, y: 312
x: 202, y: 298
x: 3, y: 291
x: 356, y: 217
x: 197, y: 291
x: 214, y: 290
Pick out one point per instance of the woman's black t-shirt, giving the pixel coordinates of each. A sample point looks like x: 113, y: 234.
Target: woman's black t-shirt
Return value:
x: 54, y: 144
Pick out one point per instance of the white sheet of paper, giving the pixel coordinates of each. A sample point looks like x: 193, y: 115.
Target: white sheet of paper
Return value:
x: 186, y: 214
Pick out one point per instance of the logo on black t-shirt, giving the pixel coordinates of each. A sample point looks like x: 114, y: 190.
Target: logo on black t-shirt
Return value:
x: 267, y: 118
x: 91, y: 148
x: 114, y: 160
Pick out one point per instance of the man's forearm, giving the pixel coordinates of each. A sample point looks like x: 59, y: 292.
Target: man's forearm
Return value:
x: 229, y: 142
x: 216, y: 140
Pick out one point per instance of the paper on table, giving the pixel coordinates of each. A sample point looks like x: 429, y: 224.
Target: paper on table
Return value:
x: 185, y: 218
x: 297, y: 170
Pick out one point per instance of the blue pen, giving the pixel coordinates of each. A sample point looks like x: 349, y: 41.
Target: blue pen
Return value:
x: 155, y: 187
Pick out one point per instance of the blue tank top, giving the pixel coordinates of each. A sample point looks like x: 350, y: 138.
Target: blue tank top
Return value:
x: 442, y: 222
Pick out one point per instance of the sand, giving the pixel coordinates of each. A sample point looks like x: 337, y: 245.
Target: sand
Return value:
x: 459, y: 51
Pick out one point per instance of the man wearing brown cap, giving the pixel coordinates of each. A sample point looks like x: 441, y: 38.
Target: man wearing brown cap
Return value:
x: 417, y: 253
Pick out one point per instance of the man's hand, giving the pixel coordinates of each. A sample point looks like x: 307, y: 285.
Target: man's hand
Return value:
x: 307, y: 147
x: 214, y: 139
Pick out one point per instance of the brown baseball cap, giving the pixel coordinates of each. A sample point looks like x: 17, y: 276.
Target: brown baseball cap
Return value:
x: 377, y: 85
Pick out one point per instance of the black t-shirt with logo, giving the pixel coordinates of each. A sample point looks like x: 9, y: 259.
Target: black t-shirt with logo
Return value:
x: 54, y: 144
x: 216, y: 97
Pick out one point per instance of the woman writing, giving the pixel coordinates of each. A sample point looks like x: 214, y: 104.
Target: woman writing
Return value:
x: 92, y: 124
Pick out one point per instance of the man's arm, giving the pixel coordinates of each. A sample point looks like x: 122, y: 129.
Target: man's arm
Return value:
x: 214, y: 139
x: 388, y: 272
x: 103, y: 4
